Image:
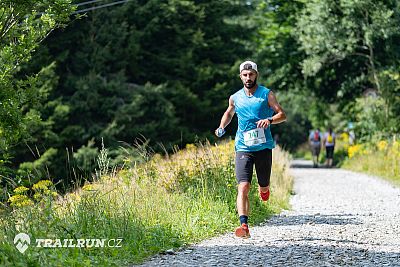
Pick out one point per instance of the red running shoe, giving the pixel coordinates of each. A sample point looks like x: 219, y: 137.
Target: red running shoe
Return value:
x: 264, y: 195
x: 242, y: 231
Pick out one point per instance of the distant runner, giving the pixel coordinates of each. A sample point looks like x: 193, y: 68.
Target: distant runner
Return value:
x: 255, y: 107
x: 329, y: 141
x: 315, y: 145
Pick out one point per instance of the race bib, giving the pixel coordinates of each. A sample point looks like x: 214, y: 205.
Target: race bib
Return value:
x: 254, y: 137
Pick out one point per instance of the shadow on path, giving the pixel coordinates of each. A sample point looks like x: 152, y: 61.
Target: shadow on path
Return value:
x: 302, y: 166
x: 296, y: 253
x: 307, y: 164
x: 334, y: 219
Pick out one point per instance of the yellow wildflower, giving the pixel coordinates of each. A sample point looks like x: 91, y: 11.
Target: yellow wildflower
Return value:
x: 382, y: 145
x: 344, y: 137
x: 354, y: 150
x: 42, y: 185
x: 20, y: 201
x: 37, y: 196
x: 20, y: 190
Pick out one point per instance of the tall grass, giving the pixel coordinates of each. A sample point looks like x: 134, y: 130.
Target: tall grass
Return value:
x: 381, y: 158
x: 162, y: 204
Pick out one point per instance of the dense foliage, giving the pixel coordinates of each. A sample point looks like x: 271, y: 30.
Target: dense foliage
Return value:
x: 153, y: 70
x: 23, y: 25
x: 327, y: 55
x: 160, y: 73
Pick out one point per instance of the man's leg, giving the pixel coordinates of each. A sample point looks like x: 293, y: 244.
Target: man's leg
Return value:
x: 263, y: 163
x: 242, y: 200
x: 243, y: 207
x: 326, y: 156
x: 330, y: 156
x: 244, y: 172
x: 313, y: 154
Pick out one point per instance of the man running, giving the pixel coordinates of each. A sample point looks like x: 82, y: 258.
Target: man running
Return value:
x: 315, y: 144
x: 255, y: 107
x: 329, y: 141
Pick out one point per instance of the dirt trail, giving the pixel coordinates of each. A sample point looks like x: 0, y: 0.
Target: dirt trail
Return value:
x: 338, y: 218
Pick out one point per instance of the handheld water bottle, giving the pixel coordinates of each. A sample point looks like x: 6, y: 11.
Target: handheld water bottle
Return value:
x: 220, y: 132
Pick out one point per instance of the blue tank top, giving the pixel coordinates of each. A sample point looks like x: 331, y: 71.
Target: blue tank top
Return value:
x: 249, y: 110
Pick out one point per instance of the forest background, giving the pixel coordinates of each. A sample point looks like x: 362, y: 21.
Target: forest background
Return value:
x: 158, y: 74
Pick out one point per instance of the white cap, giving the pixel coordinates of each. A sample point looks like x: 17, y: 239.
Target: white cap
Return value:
x: 248, y: 65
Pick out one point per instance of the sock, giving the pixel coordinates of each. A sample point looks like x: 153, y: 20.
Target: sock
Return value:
x: 243, y: 219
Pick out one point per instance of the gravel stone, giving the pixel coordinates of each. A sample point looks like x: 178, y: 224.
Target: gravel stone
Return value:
x: 338, y: 218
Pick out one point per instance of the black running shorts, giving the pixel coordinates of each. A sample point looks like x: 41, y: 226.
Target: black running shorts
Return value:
x: 329, y: 152
x: 244, y: 162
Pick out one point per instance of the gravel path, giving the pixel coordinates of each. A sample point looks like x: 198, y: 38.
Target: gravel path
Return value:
x: 338, y: 218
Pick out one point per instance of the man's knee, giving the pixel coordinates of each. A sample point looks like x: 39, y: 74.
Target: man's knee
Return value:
x: 244, y: 188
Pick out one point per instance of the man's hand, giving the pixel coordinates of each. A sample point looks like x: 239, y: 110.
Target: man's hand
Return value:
x: 226, y: 118
x: 263, y: 123
x: 219, y: 132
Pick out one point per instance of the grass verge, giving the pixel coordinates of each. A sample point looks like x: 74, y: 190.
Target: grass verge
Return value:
x: 162, y: 204
x: 381, y: 159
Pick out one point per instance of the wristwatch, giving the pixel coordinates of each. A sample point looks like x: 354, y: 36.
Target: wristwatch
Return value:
x: 270, y: 119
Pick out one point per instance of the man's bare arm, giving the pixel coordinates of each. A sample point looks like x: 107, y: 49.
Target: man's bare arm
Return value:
x: 280, y: 115
x: 228, y: 115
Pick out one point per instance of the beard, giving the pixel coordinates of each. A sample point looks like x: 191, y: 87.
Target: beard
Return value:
x: 250, y: 85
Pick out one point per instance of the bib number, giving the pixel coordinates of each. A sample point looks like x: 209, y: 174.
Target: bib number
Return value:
x: 254, y: 137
